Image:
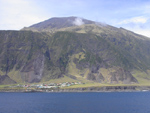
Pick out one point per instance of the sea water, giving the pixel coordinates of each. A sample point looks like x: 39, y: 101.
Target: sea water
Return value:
x: 112, y: 102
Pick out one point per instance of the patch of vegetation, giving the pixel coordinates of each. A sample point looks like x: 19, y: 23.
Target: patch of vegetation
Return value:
x: 91, y: 59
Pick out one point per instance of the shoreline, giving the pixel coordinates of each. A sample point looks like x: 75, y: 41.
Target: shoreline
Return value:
x: 85, y: 89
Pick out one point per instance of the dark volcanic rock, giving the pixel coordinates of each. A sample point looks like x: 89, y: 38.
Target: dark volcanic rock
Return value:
x: 101, y: 89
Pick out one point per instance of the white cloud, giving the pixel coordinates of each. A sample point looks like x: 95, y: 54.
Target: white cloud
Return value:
x: 139, y: 30
x: 78, y: 22
x: 15, y: 14
x: 143, y: 32
x: 101, y: 24
x: 139, y: 25
x: 139, y: 19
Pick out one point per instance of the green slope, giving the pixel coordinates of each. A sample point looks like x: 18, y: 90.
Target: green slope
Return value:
x: 89, y: 53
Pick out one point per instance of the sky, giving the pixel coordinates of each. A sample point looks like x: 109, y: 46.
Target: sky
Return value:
x: 133, y: 15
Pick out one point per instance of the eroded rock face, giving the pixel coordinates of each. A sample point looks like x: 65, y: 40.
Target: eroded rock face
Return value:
x: 91, y: 76
x: 114, y: 75
x: 96, y: 77
x: 123, y: 76
x: 33, y: 71
x: 100, y: 78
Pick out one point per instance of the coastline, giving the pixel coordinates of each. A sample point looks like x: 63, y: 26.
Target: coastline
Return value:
x: 85, y: 89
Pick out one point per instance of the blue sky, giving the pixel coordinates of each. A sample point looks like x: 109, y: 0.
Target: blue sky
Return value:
x: 133, y: 15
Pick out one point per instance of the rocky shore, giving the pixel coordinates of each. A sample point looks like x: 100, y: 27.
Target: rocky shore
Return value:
x: 87, y: 89
x: 108, y: 89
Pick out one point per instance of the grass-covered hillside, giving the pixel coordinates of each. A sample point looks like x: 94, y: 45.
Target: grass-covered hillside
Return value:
x: 91, y: 52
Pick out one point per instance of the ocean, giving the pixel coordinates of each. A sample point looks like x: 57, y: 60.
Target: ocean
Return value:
x: 92, y: 102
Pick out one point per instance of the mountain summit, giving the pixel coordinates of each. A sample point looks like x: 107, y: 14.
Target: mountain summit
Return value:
x: 74, y: 49
x: 58, y: 23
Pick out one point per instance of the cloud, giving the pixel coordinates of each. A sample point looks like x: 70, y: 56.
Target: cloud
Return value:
x: 145, y: 32
x: 139, y: 25
x: 15, y: 14
x: 101, y: 24
x: 139, y: 19
x: 138, y: 28
x: 78, y: 22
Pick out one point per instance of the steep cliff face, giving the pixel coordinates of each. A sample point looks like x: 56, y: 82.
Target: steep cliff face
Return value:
x: 89, y: 52
x: 22, y: 52
x: 33, y: 71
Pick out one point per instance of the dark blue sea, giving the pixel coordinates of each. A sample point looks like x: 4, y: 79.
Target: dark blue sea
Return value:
x: 114, y: 102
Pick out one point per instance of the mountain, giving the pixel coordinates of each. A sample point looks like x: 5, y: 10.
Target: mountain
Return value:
x: 74, y: 49
x: 53, y: 24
